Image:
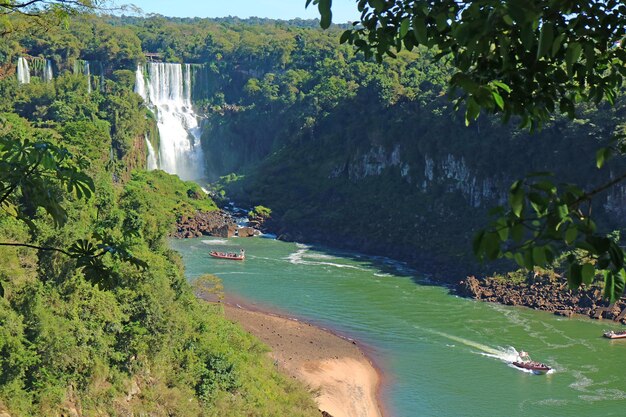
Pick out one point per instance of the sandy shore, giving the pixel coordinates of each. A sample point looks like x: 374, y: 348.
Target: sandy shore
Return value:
x: 341, y: 376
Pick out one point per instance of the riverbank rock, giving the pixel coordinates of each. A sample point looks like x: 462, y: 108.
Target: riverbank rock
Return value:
x: 217, y: 223
x: 544, y: 293
x: 247, y: 232
x: 214, y: 223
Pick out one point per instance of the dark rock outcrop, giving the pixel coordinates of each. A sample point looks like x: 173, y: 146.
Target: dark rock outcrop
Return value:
x: 544, y: 293
x: 213, y: 223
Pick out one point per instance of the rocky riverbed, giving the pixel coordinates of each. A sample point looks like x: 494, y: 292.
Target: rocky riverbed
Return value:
x: 217, y: 223
x: 544, y: 293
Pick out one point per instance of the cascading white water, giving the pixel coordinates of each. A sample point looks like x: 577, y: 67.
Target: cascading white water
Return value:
x: 47, y: 71
x: 167, y: 89
x: 23, y: 71
x: 152, y: 160
x: 87, y: 72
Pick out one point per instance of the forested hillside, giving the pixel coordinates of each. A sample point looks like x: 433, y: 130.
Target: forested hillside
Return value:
x: 327, y: 139
x: 343, y: 151
x: 96, y: 317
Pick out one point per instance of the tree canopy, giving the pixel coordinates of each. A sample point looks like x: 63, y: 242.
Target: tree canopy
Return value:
x: 529, y: 59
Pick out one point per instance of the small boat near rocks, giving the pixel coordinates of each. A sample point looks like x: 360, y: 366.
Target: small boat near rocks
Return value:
x: 615, y: 335
x: 229, y: 255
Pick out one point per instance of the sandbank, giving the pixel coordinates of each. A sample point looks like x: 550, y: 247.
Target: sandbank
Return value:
x: 342, y: 378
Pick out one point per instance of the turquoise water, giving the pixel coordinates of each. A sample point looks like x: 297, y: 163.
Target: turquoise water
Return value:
x: 441, y: 355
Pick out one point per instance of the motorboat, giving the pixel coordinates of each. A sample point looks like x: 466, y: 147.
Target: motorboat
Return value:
x: 524, y: 362
x: 229, y: 255
x: 536, y: 367
x: 615, y: 335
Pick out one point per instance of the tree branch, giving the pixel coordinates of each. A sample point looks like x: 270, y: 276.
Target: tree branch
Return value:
x: 46, y: 248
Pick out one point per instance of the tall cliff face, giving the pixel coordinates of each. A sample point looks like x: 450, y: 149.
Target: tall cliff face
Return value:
x: 412, y: 185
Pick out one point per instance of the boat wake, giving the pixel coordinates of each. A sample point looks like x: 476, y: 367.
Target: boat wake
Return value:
x: 507, y: 354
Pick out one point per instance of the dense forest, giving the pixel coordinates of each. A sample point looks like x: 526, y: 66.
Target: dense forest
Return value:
x: 343, y: 150
x: 118, y: 331
x: 326, y: 138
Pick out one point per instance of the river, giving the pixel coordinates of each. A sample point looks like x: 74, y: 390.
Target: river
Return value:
x: 441, y: 355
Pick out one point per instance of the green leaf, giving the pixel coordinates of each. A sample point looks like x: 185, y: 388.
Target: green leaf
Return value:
x: 587, y: 272
x: 556, y: 45
x: 517, y: 232
x: 345, y: 36
x: 574, y: 276
x: 472, y: 111
x: 516, y: 198
x: 572, y: 54
x: 498, y: 99
x: 571, y: 234
x: 539, y: 256
x: 502, y: 86
x: 614, y: 284
x: 616, y: 254
x: 404, y: 27
x: 420, y: 30
x: 491, y: 244
x: 502, y: 229
x: 477, y: 243
x: 379, y: 5
x: 326, y: 14
x: 546, y: 36
x: 602, y: 155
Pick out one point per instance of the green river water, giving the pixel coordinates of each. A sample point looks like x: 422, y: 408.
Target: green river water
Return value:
x: 440, y: 355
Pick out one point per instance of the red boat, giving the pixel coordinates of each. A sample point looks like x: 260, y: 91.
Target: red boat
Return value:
x: 536, y: 367
x: 615, y: 335
x: 229, y: 255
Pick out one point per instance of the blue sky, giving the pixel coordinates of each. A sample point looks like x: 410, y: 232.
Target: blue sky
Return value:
x: 343, y: 10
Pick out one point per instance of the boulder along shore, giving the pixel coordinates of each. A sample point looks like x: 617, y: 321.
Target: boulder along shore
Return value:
x: 544, y: 293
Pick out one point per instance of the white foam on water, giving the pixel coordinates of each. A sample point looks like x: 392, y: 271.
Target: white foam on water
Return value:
x: 217, y: 242
x: 298, y: 258
x: 319, y: 256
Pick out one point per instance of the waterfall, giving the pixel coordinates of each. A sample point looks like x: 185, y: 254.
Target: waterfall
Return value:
x: 152, y: 161
x: 47, y: 71
x: 23, y: 72
x: 167, y: 90
x: 87, y: 73
x: 101, y: 67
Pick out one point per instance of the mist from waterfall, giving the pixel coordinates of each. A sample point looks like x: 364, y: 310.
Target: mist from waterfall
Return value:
x: 23, y: 71
x: 167, y: 90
